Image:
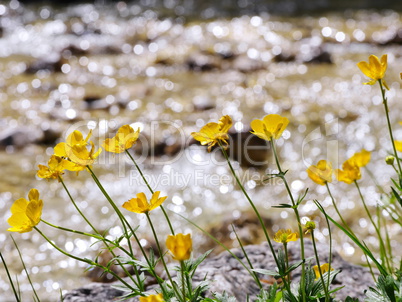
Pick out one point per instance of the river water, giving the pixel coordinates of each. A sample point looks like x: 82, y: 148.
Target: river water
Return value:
x: 102, y: 66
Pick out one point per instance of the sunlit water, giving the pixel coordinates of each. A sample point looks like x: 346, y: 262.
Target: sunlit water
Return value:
x: 138, y: 65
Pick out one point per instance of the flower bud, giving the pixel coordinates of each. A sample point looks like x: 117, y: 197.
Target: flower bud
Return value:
x: 390, y: 160
x: 310, y: 226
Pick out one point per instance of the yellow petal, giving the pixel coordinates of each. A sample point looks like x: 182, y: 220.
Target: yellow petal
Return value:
x: 132, y: 206
x: 275, y: 124
x: 259, y: 130
x: 75, y: 138
x: 375, y: 66
x: 43, y: 172
x: 156, y: 201
x: 360, y: 159
x: 19, y: 223
x: 225, y: 122
x: 33, y: 194
x: 19, y: 206
x: 34, y: 211
x: 201, y: 137
x: 398, y: 145
x: 152, y: 298
x: 365, y: 68
x: 60, y: 150
x: 180, y: 246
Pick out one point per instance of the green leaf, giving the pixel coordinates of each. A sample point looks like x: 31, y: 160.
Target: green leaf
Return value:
x: 283, y: 205
x: 276, y: 275
x: 397, y: 196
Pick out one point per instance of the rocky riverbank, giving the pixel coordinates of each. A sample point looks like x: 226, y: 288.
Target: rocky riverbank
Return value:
x: 225, y: 273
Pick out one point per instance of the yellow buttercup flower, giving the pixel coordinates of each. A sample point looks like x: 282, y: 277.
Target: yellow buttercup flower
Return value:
x: 80, y: 155
x: 374, y: 69
x: 321, y: 173
x: 285, y: 236
x: 360, y: 159
x: 26, y: 214
x: 125, y: 138
x: 349, y: 173
x: 351, y: 168
x: 324, y: 269
x: 56, y: 167
x: 180, y: 246
x: 213, y: 133
x: 74, y: 139
x: 141, y: 205
x: 271, y: 126
x: 75, y: 150
x: 152, y: 298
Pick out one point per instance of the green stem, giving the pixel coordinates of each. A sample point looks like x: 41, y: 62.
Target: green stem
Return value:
x: 285, y: 246
x: 124, y: 223
x: 76, y: 207
x: 10, y: 279
x: 385, y: 102
x: 330, y: 248
x: 327, y: 297
x: 387, y: 247
x: 336, y: 208
x: 183, y: 279
x: 25, y: 269
x: 294, y: 206
x: 136, y: 273
x: 382, y: 245
x: 255, y: 277
x: 89, y: 262
x: 257, y: 213
x: 251, y: 203
x: 161, y: 255
x: 152, y: 191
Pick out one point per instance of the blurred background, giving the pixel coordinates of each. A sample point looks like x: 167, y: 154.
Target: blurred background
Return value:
x: 169, y: 67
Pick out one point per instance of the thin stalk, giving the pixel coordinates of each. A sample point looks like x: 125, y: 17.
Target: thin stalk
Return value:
x: 327, y: 297
x: 370, y: 267
x: 9, y: 278
x: 161, y: 255
x: 136, y: 273
x: 382, y: 245
x: 251, y: 203
x: 361, y: 245
x: 247, y: 258
x: 76, y: 206
x: 294, y: 206
x: 256, y: 212
x: 183, y: 280
x: 330, y: 247
x: 385, y: 102
x: 389, y: 245
x: 388, y: 249
x: 124, y: 223
x: 92, y: 263
x: 25, y: 269
x: 221, y: 244
x: 285, y: 247
x: 336, y: 208
x: 152, y: 191
x: 99, y: 237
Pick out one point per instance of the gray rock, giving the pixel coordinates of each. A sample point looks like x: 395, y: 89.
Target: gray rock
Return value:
x: 227, y: 274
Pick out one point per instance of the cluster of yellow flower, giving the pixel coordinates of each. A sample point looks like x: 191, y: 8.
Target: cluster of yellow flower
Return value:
x: 322, y: 172
x: 74, y: 155
x: 78, y: 154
